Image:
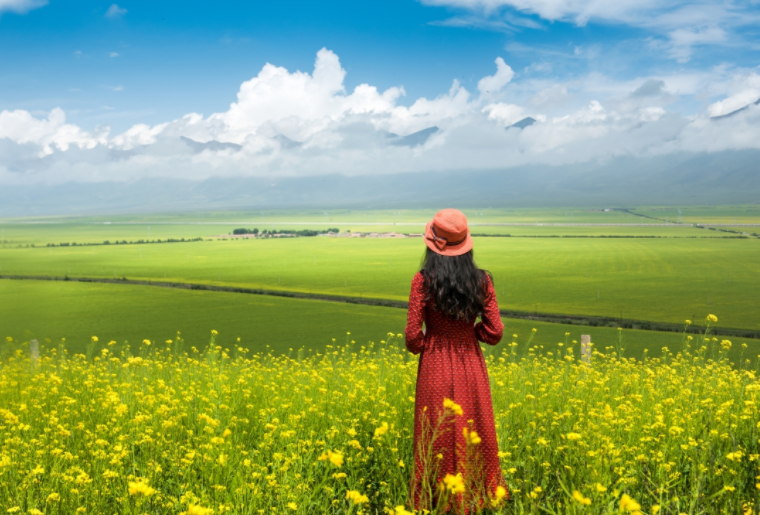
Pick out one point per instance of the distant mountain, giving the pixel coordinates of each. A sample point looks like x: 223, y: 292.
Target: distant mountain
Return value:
x: 708, y: 178
x: 414, y: 139
x: 525, y: 122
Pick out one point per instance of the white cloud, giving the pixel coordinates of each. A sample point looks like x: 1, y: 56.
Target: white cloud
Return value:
x: 115, y: 11
x: 679, y: 24
x: 21, y: 6
x: 113, y: 54
x: 297, y: 123
x: 493, y: 84
x: 744, y: 90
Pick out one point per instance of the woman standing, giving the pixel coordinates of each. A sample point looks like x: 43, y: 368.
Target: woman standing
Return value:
x: 456, y: 452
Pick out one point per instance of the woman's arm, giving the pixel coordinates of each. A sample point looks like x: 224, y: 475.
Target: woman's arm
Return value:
x: 415, y: 337
x: 490, y: 328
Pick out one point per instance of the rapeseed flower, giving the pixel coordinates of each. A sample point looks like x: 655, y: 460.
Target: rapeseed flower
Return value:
x: 579, y: 497
x: 333, y: 457
x: 356, y: 497
x: 140, y: 488
x: 454, y: 483
x: 452, y: 406
x: 628, y: 504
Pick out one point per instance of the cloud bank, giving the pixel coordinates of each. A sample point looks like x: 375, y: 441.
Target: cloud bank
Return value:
x: 287, y: 123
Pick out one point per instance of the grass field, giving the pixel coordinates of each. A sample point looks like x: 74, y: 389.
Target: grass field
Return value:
x: 165, y: 428
x: 40, y: 234
x: 665, y: 280
x: 78, y: 311
x: 747, y: 214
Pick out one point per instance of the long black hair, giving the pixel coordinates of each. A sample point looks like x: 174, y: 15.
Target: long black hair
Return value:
x: 455, y: 284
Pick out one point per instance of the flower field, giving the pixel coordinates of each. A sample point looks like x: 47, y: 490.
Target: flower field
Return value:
x: 161, y: 428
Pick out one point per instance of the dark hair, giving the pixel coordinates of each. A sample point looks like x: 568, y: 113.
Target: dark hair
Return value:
x: 455, y: 284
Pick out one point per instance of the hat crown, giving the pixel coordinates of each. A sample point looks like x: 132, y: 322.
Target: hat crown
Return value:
x: 450, y: 224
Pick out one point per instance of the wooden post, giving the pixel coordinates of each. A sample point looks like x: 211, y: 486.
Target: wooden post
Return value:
x: 586, y: 348
x: 34, y: 351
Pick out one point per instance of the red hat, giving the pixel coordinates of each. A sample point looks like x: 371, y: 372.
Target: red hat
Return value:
x: 447, y: 234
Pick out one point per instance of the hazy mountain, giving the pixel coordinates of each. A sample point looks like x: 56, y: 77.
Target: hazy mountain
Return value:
x: 709, y: 178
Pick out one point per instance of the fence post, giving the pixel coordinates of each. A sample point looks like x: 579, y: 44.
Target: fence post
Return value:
x: 34, y: 351
x: 586, y: 348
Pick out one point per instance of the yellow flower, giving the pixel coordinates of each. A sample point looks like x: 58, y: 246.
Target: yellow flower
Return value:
x: 9, y: 339
x: 15, y: 509
x: 471, y: 436
x: 214, y: 332
x: 169, y: 341
x: 293, y: 506
x: 226, y: 433
x: 356, y: 497
x: 333, y: 457
x: 380, y: 431
x: 53, y: 497
x: 34, y: 511
x: 339, y: 475
x: 628, y: 504
x: 146, y: 342
x: 688, y: 322
x: 578, y: 497
x: 453, y: 406
x: 140, y: 488
x: 400, y: 510
x: 95, y: 339
x: 655, y: 509
x: 729, y: 488
x: 726, y: 344
x: 712, y: 318
x: 454, y: 484
x: 194, y: 509
x: 600, y: 488
x: 574, y: 436
x: 401, y: 463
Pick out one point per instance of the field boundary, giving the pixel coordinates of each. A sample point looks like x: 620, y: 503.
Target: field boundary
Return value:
x: 587, y: 320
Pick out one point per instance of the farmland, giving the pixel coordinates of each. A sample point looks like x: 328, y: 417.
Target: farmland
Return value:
x: 304, y: 406
x: 664, y: 280
x: 165, y: 427
x: 77, y: 311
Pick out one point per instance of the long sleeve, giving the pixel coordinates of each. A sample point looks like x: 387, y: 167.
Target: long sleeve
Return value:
x: 490, y: 329
x: 416, y: 316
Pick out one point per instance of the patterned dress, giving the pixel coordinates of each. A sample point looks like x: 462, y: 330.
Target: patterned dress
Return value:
x: 452, y: 366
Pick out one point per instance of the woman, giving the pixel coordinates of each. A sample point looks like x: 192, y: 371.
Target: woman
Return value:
x: 454, y: 430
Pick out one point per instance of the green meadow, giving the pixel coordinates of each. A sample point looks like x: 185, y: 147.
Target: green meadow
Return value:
x: 125, y: 313
x: 664, y: 280
x: 641, y: 271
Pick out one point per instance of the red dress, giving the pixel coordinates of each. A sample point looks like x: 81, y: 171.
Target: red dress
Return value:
x: 452, y: 366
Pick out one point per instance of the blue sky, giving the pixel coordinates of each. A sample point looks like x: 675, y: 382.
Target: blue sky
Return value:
x: 138, y: 62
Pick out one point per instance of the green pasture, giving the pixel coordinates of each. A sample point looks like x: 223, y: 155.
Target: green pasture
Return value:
x: 40, y: 234
x: 742, y: 214
x: 78, y: 311
x: 665, y: 280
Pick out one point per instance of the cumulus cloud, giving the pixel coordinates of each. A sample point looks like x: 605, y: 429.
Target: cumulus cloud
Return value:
x: 306, y: 123
x: 493, y: 84
x: 21, y: 6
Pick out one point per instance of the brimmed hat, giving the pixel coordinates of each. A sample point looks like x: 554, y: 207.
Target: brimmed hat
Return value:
x: 447, y: 234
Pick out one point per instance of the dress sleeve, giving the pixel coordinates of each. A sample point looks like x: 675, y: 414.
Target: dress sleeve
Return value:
x: 416, y: 316
x: 490, y: 328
